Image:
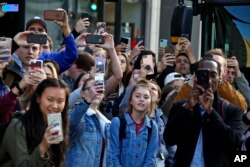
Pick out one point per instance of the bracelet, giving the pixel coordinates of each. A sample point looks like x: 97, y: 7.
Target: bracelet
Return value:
x: 21, y: 91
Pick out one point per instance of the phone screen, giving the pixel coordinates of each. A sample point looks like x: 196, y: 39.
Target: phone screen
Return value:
x: 95, y: 39
x: 101, y: 27
x: 55, y: 120
x: 147, y: 60
x: 10, y: 8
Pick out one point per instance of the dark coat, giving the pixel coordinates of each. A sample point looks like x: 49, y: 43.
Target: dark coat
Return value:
x: 221, y: 133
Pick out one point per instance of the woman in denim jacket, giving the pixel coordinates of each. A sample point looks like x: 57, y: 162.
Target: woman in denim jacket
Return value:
x: 89, y: 130
x: 135, y: 150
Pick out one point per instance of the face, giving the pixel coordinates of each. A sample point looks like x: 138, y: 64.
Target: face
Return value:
x: 182, y: 65
x: 52, y: 100
x: 2, y: 65
x: 140, y: 100
x: 214, y: 73
x: 155, y: 94
x: 37, y: 28
x: 89, y: 92
x: 28, y: 52
x: 45, y: 47
x: 100, y: 53
x: 230, y: 75
x: 123, y: 62
x: 223, y: 64
x: 48, y: 72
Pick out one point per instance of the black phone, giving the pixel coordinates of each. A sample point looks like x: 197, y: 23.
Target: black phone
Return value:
x: 185, y: 36
x: 95, y: 39
x: 203, y: 77
x: 85, y: 15
x: 138, y: 39
x: 124, y: 40
x: 37, y: 38
x: 230, y: 54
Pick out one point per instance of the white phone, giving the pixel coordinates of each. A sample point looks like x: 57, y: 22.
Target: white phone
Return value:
x: 163, y: 43
x: 55, y: 120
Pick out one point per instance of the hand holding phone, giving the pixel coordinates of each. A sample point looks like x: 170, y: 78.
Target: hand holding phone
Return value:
x: 101, y: 27
x: 5, y: 47
x: 55, y: 121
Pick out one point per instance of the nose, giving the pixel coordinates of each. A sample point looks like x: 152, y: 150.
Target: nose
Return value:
x: 54, y: 105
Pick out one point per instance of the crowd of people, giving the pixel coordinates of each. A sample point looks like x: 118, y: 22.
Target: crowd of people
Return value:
x: 140, y: 116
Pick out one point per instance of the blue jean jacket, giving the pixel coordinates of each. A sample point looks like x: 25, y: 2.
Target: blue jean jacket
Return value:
x: 134, y: 150
x: 85, y: 139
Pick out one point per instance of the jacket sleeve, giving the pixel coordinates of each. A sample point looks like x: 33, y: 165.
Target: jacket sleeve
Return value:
x: 229, y: 129
x: 244, y: 88
x: 115, y: 145
x: 64, y: 58
x: 227, y: 91
x: 17, y: 147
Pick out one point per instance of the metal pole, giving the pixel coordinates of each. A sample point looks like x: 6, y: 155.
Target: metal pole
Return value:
x: 118, y: 12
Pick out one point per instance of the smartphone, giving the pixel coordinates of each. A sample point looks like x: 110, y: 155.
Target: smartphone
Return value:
x: 125, y: 40
x: 95, y: 39
x: 100, y: 70
x: 37, y: 38
x: 101, y: 27
x: 10, y: 7
x: 54, y: 15
x: 35, y: 64
x: 5, y: 47
x: 138, y: 39
x: 85, y: 15
x: 147, y: 60
x: 55, y: 120
x: 202, y: 76
x: 136, y: 73
x: 230, y: 54
x: 185, y: 36
x: 163, y: 43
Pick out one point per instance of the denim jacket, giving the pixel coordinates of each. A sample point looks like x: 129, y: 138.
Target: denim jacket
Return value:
x: 85, y: 139
x: 134, y: 150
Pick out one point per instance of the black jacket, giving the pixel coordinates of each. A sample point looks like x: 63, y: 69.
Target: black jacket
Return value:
x: 221, y: 134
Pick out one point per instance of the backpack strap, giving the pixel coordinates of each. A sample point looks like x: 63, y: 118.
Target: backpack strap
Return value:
x: 150, y: 130
x: 122, y: 128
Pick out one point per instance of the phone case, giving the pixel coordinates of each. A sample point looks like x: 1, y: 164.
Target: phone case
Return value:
x: 125, y: 40
x: 54, y: 15
x: 55, y: 120
x: 84, y: 15
x: 148, y: 61
x: 138, y: 39
x: 35, y: 64
x: 163, y: 43
x: 5, y: 47
x: 37, y: 38
x: 101, y: 26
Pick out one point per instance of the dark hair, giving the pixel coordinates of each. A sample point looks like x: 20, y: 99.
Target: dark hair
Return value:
x: 85, y: 61
x: 35, y: 125
x: 210, y: 59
